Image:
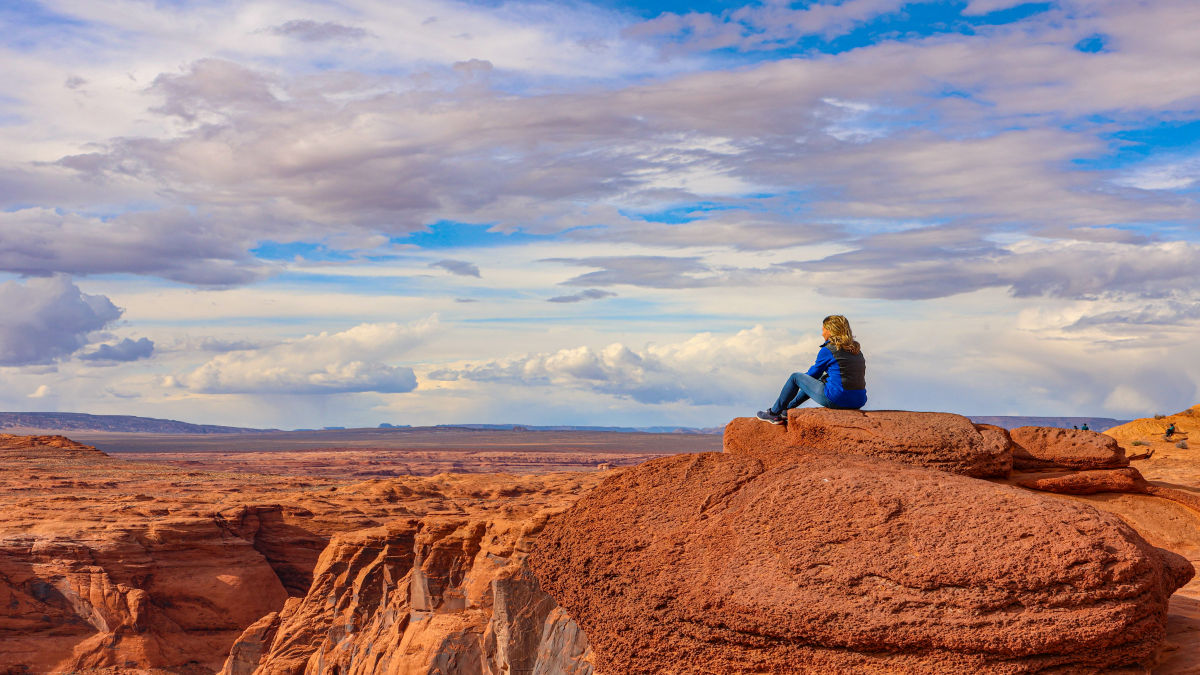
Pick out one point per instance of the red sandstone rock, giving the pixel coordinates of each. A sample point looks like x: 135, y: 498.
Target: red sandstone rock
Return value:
x: 1048, y: 447
x: 12, y: 442
x: 936, y: 440
x: 437, y: 595
x: 1089, y: 482
x: 713, y: 563
x: 1185, y: 497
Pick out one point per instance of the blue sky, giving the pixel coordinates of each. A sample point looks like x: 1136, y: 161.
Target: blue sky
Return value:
x: 620, y: 212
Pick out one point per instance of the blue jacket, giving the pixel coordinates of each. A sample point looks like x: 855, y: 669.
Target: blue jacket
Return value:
x: 845, y: 370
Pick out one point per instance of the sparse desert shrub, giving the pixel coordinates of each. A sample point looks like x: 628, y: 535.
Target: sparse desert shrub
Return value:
x: 1182, y: 445
x: 1139, y: 443
x: 1159, y: 416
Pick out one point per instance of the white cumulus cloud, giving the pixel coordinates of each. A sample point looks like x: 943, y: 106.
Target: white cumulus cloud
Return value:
x: 360, y: 359
x: 706, y: 369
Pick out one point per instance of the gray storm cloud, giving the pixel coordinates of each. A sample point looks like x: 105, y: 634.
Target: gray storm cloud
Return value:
x: 173, y: 244
x: 45, y: 320
x: 122, y: 351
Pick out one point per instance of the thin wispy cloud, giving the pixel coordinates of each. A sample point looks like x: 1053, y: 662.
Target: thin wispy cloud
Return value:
x: 588, y: 294
x: 318, y: 31
x: 460, y: 267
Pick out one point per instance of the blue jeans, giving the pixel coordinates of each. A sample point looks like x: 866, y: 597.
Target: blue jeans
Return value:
x: 799, y: 388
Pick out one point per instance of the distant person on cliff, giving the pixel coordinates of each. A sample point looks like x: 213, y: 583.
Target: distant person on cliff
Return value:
x: 1170, y: 431
x: 837, y: 380
x: 1085, y: 427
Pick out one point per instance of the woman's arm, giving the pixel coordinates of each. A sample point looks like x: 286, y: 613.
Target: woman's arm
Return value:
x: 824, y: 361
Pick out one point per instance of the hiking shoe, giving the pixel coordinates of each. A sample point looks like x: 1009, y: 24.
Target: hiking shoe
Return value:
x: 768, y: 416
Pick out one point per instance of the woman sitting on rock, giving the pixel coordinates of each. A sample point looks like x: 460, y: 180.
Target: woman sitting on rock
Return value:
x: 840, y: 360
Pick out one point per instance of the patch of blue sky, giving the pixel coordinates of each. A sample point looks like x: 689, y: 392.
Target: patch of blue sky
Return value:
x: 1129, y: 147
x: 306, y: 250
x: 30, y: 26
x: 448, y: 234
x: 680, y: 213
x: 921, y: 20
x: 1093, y: 44
x: 913, y: 21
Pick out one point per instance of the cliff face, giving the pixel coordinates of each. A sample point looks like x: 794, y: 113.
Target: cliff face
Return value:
x: 434, y: 595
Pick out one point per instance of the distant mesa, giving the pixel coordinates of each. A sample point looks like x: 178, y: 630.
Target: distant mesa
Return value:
x: 56, y: 421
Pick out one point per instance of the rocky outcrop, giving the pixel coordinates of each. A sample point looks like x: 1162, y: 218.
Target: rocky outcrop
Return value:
x: 936, y: 440
x: 1151, y: 429
x: 716, y: 563
x: 436, y: 595
x: 1048, y: 447
x: 132, y: 597
x: 12, y: 445
x: 281, y: 534
x: 1127, y: 479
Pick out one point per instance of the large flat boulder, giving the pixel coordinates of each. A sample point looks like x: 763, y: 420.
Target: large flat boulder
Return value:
x: 1049, y: 447
x: 942, y: 441
x: 716, y: 563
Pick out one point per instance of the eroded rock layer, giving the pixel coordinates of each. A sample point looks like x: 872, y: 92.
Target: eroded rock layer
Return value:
x: 107, y: 564
x: 716, y: 563
x: 435, y: 595
x: 937, y: 440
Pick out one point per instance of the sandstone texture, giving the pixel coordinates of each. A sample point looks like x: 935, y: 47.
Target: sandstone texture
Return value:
x: 1087, y: 482
x: 436, y: 595
x: 936, y: 440
x: 1047, y: 447
x: 113, y: 566
x: 719, y: 563
x: 1150, y: 429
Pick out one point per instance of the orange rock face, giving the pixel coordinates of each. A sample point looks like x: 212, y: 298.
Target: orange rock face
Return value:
x: 110, y: 564
x: 1046, y: 447
x: 439, y: 594
x: 937, y: 440
x: 715, y: 563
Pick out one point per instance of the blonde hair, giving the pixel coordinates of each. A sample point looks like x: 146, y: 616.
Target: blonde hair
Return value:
x: 840, y: 335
